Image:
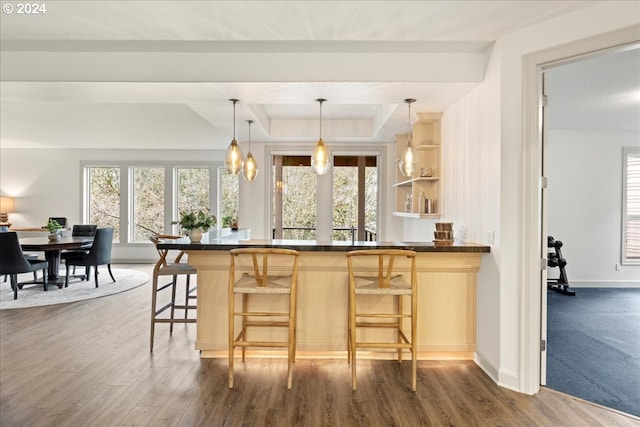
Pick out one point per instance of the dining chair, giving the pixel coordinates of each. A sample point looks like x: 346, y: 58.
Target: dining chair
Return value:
x: 99, y: 254
x: 258, y: 282
x: 174, y: 269
x: 13, y: 262
x: 371, y: 273
x: 5, y: 229
x: 80, y: 230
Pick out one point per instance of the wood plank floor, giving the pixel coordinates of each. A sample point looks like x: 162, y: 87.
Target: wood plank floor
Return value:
x: 88, y: 364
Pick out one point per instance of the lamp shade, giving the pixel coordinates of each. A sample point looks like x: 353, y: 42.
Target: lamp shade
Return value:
x: 7, y: 204
x: 321, y: 158
x: 233, y: 161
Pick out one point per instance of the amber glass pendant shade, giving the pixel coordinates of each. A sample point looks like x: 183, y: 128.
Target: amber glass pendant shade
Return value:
x: 233, y: 160
x: 321, y: 158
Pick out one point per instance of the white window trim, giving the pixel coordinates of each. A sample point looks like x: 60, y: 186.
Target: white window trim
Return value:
x: 126, y: 195
x: 626, y: 152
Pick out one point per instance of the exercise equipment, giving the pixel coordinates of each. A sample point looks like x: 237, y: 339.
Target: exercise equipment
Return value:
x: 555, y: 259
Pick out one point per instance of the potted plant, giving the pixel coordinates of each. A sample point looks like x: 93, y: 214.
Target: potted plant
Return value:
x: 54, y: 228
x: 195, y: 223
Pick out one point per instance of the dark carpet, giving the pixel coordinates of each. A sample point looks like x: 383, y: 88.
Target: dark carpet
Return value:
x: 594, y: 346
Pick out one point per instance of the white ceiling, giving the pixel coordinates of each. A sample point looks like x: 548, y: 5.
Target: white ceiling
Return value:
x: 159, y: 74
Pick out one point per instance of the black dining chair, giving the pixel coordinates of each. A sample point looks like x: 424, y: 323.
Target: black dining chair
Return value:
x: 99, y: 254
x: 5, y: 229
x: 13, y: 262
x: 80, y: 230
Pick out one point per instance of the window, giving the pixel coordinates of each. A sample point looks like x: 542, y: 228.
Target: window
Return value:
x: 229, y: 200
x: 355, y: 197
x: 192, y: 189
x: 104, y: 198
x: 631, y: 206
x: 307, y: 207
x: 149, y: 196
x: 294, y: 198
x: 148, y: 202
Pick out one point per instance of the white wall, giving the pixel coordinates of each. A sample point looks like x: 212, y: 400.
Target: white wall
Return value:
x: 471, y: 198
x: 585, y: 204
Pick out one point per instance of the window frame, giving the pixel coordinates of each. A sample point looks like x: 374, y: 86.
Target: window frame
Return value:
x: 325, y: 184
x: 126, y: 192
x: 626, y: 153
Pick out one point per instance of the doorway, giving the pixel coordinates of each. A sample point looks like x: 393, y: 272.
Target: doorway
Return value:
x: 586, y: 127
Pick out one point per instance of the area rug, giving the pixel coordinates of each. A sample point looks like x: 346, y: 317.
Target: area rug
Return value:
x: 34, y: 295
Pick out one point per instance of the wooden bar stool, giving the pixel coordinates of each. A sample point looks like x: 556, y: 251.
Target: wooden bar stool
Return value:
x: 173, y: 269
x: 283, y: 280
x: 370, y: 276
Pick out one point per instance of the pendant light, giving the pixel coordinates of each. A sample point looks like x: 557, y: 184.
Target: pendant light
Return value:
x: 250, y: 166
x: 320, y: 160
x: 409, y: 159
x: 233, y: 161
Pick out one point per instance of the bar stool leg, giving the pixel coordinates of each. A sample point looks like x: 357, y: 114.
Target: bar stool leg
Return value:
x: 154, y: 292
x: 399, y: 325
x: 173, y: 302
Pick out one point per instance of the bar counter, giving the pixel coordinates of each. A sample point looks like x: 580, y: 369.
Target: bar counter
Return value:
x: 446, y: 295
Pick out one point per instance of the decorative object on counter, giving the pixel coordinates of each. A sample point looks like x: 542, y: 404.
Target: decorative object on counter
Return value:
x: 444, y: 233
x: 7, y: 206
x: 250, y: 166
x: 320, y: 159
x: 226, y: 221
x: 234, y: 224
x: 409, y: 159
x: 421, y: 200
x: 195, y: 223
x: 54, y: 228
x: 233, y: 161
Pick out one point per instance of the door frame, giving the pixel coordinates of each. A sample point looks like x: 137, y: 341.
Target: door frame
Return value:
x: 533, y: 313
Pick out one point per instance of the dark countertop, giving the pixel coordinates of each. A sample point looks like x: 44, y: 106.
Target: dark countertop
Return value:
x: 317, y: 246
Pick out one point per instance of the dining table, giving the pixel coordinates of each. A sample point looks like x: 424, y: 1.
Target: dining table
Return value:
x: 52, y: 251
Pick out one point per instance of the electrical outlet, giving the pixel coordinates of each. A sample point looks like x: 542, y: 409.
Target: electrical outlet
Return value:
x: 618, y: 267
x: 491, y: 237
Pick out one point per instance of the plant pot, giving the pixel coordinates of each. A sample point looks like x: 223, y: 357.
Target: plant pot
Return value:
x: 195, y: 235
x: 53, y: 237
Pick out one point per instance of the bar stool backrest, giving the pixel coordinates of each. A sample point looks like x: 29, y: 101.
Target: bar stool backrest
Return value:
x: 260, y: 264
x: 386, y: 261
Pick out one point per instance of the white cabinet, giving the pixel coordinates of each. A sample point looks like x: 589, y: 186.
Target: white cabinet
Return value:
x: 425, y: 180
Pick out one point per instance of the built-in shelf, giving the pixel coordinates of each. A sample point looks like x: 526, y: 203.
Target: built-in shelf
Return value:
x: 420, y: 194
x: 416, y: 215
x: 426, y: 147
x: 418, y: 179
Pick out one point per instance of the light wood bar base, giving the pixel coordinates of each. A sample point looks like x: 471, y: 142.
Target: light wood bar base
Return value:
x: 446, y: 304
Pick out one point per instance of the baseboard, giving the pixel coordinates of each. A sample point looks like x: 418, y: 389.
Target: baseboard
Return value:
x: 502, y: 378
x: 604, y: 284
x: 486, y: 366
